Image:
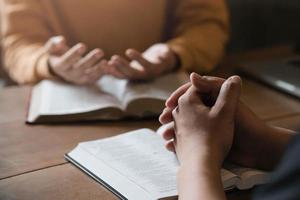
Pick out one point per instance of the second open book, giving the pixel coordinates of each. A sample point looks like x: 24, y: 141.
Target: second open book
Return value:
x: 136, y: 166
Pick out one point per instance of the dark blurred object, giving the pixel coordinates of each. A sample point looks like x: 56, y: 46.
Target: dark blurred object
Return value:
x: 263, y: 23
x: 282, y: 74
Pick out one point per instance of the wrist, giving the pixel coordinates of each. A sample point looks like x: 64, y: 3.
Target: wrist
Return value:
x: 174, y: 61
x: 177, y: 62
x: 201, y: 167
x: 50, y: 68
x: 200, y: 181
x: 202, y: 157
x: 201, y: 151
x: 52, y: 71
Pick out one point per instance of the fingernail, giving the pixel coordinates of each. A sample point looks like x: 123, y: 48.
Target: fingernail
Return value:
x: 129, y: 52
x: 114, y: 57
x: 81, y: 50
x: 193, y: 74
x: 235, y: 79
x: 58, y: 39
x: 99, y: 51
x: 97, y: 55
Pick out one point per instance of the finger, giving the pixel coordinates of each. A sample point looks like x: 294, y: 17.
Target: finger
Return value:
x: 97, y: 71
x: 97, y: 68
x: 73, y: 55
x: 133, y: 54
x: 116, y: 69
x: 164, y: 51
x: 172, y: 101
x: 89, y: 60
x: 166, y: 116
x: 169, y: 133
x: 170, y: 146
x: 111, y: 70
x: 123, y: 67
x: 191, y: 96
x: 86, y: 79
x: 57, y: 45
x: 206, y: 84
x: 105, y: 66
x: 228, y: 98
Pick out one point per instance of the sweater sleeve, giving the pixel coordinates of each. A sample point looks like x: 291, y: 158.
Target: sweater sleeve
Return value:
x: 25, y: 29
x: 200, y: 35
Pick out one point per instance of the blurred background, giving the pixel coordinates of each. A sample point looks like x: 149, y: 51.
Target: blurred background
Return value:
x: 258, y: 24
x: 254, y: 24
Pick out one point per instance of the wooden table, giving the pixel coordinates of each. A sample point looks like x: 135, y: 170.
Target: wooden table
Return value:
x: 32, y: 165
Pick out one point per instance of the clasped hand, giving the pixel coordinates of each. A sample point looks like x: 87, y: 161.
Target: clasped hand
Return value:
x: 206, y: 122
x: 201, y: 129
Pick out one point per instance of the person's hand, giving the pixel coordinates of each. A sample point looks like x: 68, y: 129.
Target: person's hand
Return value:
x: 201, y: 134
x: 202, y: 131
x: 251, y: 133
x: 156, y: 60
x: 71, y: 65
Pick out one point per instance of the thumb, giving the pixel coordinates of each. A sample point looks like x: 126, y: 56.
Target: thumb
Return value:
x: 57, y: 45
x: 228, y: 97
x: 199, y: 83
x: 206, y: 84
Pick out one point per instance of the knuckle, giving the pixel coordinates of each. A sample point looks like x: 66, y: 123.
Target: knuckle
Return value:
x: 81, y: 66
x: 174, y: 113
x: 182, y: 100
x: 220, y: 113
x: 213, y: 115
x: 235, y: 82
x: 186, y: 99
x: 93, y: 58
x: 231, y: 85
x: 65, y: 61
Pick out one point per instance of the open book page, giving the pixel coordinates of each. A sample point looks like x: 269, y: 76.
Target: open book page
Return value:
x: 61, y: 98
x: 248, y: 177
x: 141, y: 157
x: 137, y: 161
x: 55, y: 98
x: 160, y: 88
x: 114, y: 86
x: 127, y: 91
x: 229, y: 179
x: 143, y: 98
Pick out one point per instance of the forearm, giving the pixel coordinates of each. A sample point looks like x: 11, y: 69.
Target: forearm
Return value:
x: 26, y: 63
x: 265, y: 144
x: 22, y: 44
x: 275, y: 142
x: 201, y: 33
x: 200, y: 180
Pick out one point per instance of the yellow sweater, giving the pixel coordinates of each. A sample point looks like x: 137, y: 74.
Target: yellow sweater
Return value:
x: 196, y: 30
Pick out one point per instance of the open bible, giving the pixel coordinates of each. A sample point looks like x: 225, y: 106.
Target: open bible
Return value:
x: 109, y: 99
x: 136, y: 165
